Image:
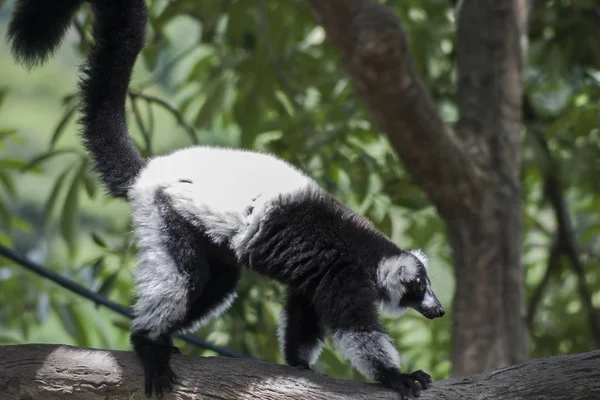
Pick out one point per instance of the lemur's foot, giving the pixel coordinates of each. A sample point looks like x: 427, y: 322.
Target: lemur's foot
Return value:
x: 405, y: 384
x: 175, y: 350
x: 302, y: 366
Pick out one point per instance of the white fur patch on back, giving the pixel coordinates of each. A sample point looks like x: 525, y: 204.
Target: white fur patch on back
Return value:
x: 217, y: 186
x: 223, y: 179
x: 364, y: 349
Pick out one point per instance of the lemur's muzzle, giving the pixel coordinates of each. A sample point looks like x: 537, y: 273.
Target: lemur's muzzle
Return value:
x: 430, y: 307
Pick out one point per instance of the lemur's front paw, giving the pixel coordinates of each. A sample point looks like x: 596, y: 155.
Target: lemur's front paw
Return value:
x: 406, y: 383
x: 422, y: 377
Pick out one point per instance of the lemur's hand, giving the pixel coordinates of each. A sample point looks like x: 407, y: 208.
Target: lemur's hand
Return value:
x: 405, y: 383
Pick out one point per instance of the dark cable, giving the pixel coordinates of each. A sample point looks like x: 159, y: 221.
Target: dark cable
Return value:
x: 98, y: 299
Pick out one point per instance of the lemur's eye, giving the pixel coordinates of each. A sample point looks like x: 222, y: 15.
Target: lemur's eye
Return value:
x: 422, y: 288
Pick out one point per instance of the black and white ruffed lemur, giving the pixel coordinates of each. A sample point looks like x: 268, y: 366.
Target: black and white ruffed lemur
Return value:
x: 202, y: 213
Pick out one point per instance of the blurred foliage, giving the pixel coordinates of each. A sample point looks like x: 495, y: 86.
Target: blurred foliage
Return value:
x: 260, y: 75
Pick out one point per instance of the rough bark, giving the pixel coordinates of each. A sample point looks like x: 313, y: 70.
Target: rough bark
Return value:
x: 56, y: 372
x: 472, y: 174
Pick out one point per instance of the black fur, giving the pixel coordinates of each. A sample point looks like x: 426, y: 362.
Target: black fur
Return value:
x: 212, y: 274
x: 119, y: 30
x: 37, y: 28
x: 304, y: 329
x: 325, y: 253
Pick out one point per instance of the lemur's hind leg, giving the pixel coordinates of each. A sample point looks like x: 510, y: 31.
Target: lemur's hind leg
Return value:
x: 300, y: 331
x: 219, y: 292
x: 172, y: 280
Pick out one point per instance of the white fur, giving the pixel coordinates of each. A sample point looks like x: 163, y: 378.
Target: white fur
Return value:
x: 311, y: 354
x: 421, y: 256
x: 281, y: 330
x: 225, y: 184
x: 161, y: 288
x: 362, y: 349
x: 392, y: 274
x: 429, y: 300
x: 214, y: 312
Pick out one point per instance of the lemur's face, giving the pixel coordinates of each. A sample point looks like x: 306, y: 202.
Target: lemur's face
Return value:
x: 404, y: 283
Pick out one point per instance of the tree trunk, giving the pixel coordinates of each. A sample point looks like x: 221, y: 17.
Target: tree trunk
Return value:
x: 471, y: 175
x: 56, y: 372
x: 489, y: 306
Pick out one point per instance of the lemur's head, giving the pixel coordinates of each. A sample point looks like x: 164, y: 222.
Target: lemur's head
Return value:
x: 403, y: 282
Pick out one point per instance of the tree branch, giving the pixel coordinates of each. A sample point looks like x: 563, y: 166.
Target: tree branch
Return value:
x: 169, y: 108
x: 374, y: 50
x: 538, y: 293
x: 53, y: 372
x: 567, y: 244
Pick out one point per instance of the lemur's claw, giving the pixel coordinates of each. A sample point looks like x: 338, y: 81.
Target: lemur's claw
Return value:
x: 406, y: 384
x: 422, y: 377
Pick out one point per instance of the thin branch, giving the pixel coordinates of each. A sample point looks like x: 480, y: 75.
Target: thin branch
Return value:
x: 172, y: 110
x: 146, y: 133
x: 569, y: 248
x: 566, y: 235
x: 538, y: 292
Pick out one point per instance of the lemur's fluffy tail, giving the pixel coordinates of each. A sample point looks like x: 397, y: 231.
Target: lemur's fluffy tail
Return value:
x: 36, y: 30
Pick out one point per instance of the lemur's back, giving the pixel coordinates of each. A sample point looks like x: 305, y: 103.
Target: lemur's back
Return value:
x: 225, y: 179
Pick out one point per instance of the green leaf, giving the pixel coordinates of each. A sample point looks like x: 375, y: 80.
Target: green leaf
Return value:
x: 4, y: 213
x: 3, y: 91
x: 6, y: 132
x: 73, y: 323
x: 68, y: 219
x: 46, y: 156
x: 21, y: 224
x: 6, y: 240
x: 98, y: 267
x: 108, y: 284
x: 215, y: 94
x: 8, y: 183
x: 12, y: 163
x: 99, y: 240
x: 90, y: 185
x: 62, y: 124
x: 53, y: 197
x: 10, y: 336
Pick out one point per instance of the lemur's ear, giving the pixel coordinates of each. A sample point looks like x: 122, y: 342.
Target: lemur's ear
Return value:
x: 421, y: 256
